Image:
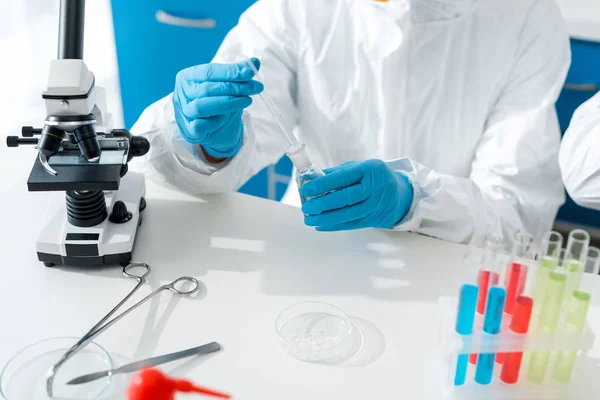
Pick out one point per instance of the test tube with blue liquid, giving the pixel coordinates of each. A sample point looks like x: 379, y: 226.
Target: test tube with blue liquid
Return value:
x: 492, y: 323
x: 465, y: 318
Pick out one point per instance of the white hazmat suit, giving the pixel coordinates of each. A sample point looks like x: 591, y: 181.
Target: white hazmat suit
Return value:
x: 457, y: 94
x: 579, y: 155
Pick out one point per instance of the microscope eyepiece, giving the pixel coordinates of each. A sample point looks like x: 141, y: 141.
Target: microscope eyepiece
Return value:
x: 86, y: 139
x: 50, y: 140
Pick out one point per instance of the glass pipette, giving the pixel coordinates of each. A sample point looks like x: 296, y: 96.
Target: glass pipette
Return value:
x: 272, y: 107
x: 297, y: 152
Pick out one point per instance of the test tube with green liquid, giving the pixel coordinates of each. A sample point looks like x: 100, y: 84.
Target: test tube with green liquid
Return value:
x: 576, y: 310
x: 574, y: 262
x: 547, y: 260
x: 548, y: 319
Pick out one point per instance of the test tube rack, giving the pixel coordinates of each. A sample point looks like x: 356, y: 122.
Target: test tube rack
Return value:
x: 479, y: 342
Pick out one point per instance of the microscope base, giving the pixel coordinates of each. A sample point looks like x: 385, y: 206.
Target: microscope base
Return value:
x: 108, y: 243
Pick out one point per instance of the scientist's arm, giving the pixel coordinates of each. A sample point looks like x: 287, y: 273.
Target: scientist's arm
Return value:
x: 515, y: 179
x: 201, y: 141
x: 579, y: 155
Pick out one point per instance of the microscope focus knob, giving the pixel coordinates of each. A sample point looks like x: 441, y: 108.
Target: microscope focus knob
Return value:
x: 12, y: 141
x: 119, y: 214
x: 139, y: 146
x: 29, y: 131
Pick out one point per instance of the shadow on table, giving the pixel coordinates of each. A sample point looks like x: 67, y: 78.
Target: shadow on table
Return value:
x: 296, y: 260
x: 154, y: 324
x: 373, y: 344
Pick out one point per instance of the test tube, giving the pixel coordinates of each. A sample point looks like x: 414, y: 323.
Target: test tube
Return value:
x: 574, y: 262
x: 577, y: 309
x: 519, y: 324
x: 549, y: 313
x: 464, y: 326
x: 491, y: 325
x: 516, y: 274
x: 547, y: 260
x: 488, y: 276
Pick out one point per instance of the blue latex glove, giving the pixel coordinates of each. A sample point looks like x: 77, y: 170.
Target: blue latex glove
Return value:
x: 209, y: 99
x: 367, y: 195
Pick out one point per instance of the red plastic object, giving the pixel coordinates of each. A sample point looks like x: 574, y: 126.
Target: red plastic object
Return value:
x: 485, y: 280
x: 151, y: 384
x: 519, y: 324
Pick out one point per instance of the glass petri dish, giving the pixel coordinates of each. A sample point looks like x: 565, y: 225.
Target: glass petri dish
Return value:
x: 24, y: 375
x: 315, y: 332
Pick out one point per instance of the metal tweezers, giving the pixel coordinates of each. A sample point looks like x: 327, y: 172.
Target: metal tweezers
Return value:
x: 102, y: 325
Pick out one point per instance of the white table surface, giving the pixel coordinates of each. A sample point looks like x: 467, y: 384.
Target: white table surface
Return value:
x: 582, y: 17
x: 254, y: 258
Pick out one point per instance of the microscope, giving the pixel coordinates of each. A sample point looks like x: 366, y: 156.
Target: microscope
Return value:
x: 95, y: 222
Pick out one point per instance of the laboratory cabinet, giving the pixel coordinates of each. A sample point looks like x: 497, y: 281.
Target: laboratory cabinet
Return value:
x: 155, y: 39
x: 583, y: 82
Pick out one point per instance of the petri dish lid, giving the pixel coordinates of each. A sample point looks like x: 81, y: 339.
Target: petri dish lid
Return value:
x: 315, y: 332
x: 24, y: 375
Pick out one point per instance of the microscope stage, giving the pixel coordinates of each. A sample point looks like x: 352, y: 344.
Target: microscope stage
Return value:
x: 71, y: 177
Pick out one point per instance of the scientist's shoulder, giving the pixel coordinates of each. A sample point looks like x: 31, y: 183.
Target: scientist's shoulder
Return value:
x: 315, y: 5
x: 303, y: 9
x: 518, y: 9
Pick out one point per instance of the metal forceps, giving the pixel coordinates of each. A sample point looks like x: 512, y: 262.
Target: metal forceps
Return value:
x: 103, y: 325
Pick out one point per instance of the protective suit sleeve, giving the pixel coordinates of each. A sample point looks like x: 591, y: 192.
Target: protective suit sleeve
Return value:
x: 267, y: 31
x: 579, y: 160
x: 514, y: 182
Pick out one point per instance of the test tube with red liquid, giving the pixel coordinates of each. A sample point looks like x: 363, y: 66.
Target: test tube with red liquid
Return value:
x: 519, y: 324
x: 516, y: 274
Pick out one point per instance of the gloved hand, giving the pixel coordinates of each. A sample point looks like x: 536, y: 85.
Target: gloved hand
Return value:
x: 209, y: 99
x: 366, y: 195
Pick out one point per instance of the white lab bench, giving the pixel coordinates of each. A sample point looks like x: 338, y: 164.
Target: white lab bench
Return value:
x: 582, y: 17
x: 253, y: 258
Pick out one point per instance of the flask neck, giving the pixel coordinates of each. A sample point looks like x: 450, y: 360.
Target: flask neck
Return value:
x: 299, y: 156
